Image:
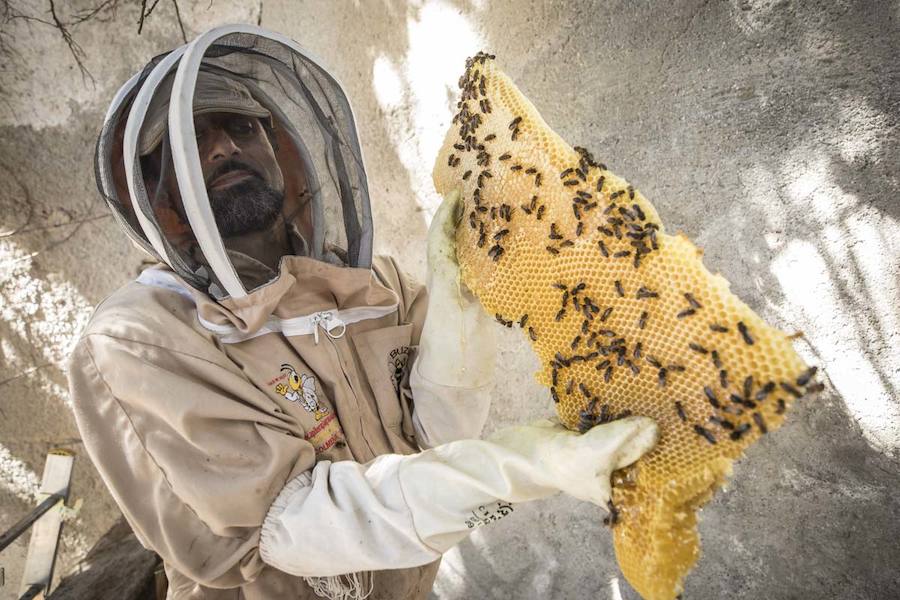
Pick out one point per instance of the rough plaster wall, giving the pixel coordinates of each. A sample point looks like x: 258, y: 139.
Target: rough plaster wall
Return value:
x: 788, y: 111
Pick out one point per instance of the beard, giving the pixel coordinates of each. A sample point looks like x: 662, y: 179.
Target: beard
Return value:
x: 246, y: 207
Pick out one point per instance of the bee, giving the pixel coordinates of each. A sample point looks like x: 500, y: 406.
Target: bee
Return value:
x: 523, y: 320
x: 472, y: 220
x: 600, y: 183
x: 626, y: 213
x: 680, y: 410
x: 612, y: 518
x: 654, y: 362
x: 716, y: 361
x: 577, y: 212
x: 690, y: 298
x: 516, y: 168
x: 631, y: 194
x: 723, y: 378
x: 576, y: 341
x: 537, y: 180
x: 589, y: 206
x: 619, y: 289
x: 791, y: 390
x: 467, y: 174
x: 622, y: 254
x: 560, y: 314
x: 605, y: 231
x: 781, y: 407
x: 489, y: 136
x: 606, y: 314
x: 532, y: 334
x: 745, y: 333
x: 505, y: 156
x: 555, y: 395
x: 552, y: 250
x: 662, y: 376
x: 723, y: 423
x: 496, y: 252
x: 676, y: 368
x: 607, y: 375
x: 685, y: 313
x: 748, y: 386
x: 581, y: 174
x: 514, y: 123
x: 540, y: 211
x: 530, y: 171
x: 566, y: 244
x: 643, y: 292
x: 805, y: 377
x: 711, y: 396
x: 705, y: 433
x: 570, y: 386
x: 609, y: 208
x: 515, y: 134
x: 739, y: 431
x: 765, y: 391
x: 570, y: 182
x: 637, y: 350
x: 698, y: 348
x: 481, y: 240
x: 585, y: 326
x: 642, y: 321
x: 718, y: 328
x: 741, y: 401
x: 566, y: 173
x: 579, y: 287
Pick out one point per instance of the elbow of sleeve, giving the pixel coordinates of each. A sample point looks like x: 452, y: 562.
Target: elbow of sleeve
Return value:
x: 343, y: 518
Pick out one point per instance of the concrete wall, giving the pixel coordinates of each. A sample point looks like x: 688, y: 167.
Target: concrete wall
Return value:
x: 766, y: 130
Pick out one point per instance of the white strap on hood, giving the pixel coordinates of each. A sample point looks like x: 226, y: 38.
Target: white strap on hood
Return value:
x: 130, y: 144
x: 188, y: 170
x: 333, y: 322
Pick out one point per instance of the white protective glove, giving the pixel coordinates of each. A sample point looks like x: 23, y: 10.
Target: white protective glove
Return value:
x: 454, y: 367
x: 403, y: 511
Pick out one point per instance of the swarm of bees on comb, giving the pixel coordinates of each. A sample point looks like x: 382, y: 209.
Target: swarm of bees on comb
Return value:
x: 624, y: 317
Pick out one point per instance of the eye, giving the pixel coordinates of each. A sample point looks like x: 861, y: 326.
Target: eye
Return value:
x: 241, y: 126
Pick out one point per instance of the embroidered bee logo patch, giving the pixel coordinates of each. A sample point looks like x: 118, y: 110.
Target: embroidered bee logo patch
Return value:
x: 302, y: 390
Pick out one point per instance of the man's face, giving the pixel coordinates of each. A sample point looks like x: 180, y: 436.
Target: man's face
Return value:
x: 243, y: 180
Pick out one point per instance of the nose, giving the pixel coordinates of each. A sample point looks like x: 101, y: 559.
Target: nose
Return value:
x: 220, y: 146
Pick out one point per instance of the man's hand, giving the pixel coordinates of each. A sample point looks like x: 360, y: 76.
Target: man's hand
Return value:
x: 581, y: 464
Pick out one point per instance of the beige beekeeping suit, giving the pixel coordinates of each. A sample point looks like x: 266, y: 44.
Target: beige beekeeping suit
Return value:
x: 195, y: 437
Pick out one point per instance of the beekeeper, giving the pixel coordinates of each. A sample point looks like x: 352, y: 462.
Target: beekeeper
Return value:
x: 277, y: 413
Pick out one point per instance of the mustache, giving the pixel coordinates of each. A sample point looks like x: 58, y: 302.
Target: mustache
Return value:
x: 231, y: 165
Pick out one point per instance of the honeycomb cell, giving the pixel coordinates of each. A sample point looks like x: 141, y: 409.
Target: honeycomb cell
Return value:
x: 616, y: 305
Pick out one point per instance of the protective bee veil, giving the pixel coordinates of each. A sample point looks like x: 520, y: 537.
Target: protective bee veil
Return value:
x: 231, y: 151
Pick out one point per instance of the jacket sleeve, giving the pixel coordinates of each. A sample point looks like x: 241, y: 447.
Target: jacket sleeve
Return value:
x: 441, y: 412
x: 191, y: 451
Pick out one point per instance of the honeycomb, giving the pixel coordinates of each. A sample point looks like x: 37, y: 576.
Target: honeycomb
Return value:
x: 624, y: 317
